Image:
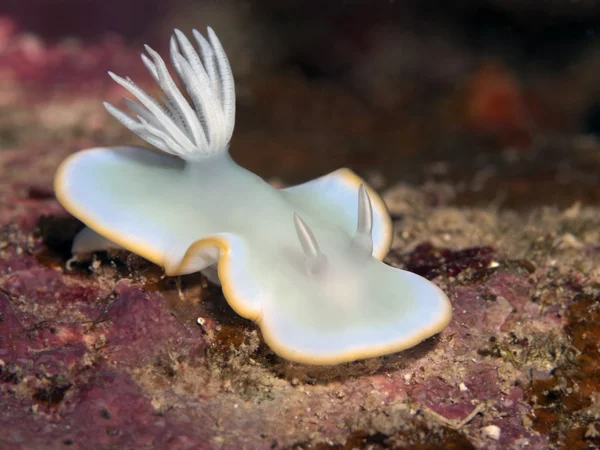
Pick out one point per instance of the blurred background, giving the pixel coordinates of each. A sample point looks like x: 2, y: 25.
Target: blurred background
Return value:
x: 501, y: 99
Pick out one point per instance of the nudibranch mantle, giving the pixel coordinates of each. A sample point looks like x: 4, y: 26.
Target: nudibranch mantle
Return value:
x: 304, y: 263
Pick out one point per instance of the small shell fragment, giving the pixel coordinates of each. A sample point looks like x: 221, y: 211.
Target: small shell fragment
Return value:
x: 491, y: 431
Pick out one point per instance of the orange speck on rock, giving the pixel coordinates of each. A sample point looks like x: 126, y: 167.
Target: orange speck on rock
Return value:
x: 68, y: 335
x: 497, y: 105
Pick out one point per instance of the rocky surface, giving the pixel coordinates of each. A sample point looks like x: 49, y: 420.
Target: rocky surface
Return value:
x: 107, y: 352
x: 111, y: 351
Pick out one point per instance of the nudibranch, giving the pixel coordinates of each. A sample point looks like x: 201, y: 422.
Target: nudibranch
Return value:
x: 304, y: 262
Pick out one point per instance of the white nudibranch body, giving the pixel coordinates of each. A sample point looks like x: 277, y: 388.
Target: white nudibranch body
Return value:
x: 303, y: 262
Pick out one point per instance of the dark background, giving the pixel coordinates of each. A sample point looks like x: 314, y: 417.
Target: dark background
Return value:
x: 499, y: 97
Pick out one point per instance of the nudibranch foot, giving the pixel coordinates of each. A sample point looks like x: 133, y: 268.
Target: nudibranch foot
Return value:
x: 88, y: 241
x: 304, y: 263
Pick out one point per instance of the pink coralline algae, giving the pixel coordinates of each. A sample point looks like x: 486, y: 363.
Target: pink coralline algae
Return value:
x: 65, y: 358
x: 38, y: 68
